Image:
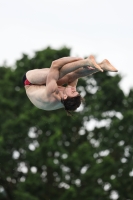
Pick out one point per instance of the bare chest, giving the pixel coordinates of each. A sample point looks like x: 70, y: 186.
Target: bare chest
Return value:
x: 38, y: 96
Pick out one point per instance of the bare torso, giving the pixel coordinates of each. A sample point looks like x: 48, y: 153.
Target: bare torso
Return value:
x: 38, y: 96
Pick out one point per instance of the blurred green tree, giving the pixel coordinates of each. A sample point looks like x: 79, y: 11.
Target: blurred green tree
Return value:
x: 49, y: 155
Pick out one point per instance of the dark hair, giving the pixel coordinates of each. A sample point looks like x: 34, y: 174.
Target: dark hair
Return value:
x: 72, y: 103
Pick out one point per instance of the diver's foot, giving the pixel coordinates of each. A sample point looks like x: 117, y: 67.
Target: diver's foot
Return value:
x: 106, y: 65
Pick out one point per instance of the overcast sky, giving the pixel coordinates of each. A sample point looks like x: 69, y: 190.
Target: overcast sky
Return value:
x: 100, y: 27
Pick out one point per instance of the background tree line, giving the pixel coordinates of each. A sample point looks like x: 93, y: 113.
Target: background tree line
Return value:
x: 51, y: 156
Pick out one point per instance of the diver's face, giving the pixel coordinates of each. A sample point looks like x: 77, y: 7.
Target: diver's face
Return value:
x: 70, y: 91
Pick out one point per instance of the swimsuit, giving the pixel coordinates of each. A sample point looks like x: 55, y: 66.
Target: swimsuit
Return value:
x: 25, y: 81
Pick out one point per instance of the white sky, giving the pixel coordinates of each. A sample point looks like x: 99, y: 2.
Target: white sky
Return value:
x: 100, y: 27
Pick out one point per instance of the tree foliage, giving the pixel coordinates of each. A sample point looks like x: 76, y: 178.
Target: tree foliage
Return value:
x: 49, y: 155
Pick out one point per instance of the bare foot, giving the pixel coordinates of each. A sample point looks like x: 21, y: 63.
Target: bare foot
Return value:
x: 106, y: 65
x: 93, y: 64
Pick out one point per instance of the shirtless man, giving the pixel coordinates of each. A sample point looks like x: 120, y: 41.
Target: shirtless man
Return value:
x: 44, y: 86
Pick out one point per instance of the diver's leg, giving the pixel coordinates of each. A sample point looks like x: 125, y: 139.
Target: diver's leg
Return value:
x: 86, y: 71
x: 70, y: 67
x: 37, y: 76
